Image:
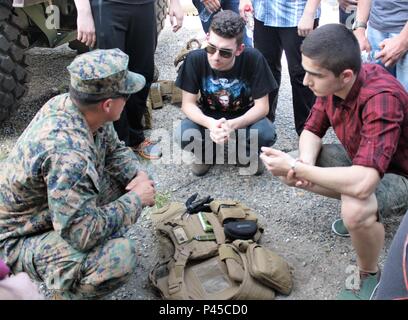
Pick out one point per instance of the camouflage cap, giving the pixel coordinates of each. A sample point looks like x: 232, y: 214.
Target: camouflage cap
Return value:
x: 104, y: 73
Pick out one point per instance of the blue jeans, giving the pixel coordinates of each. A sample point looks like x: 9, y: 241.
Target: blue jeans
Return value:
x: 400, y: 69
x: 195, y: 138
x: 392, y: 283
x: 232, y: 5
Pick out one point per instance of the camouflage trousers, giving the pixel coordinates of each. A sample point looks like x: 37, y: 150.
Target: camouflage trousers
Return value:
x: 80, y: 275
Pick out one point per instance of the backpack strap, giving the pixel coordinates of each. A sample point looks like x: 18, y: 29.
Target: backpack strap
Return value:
x: 176, y: 270
x: 217, y: 228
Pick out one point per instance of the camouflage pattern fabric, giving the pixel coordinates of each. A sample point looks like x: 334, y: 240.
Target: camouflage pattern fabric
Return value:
x: 104, y: 73
x: 77, y: 275
x: 50, y: 200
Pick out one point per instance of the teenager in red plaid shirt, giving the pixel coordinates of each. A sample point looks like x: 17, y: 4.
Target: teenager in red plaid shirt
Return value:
x: 368, y: 110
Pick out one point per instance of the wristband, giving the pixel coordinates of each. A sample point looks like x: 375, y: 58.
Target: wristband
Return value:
x: 293, y: 163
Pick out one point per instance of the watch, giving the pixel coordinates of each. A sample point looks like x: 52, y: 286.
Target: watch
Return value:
x: 359, y: 24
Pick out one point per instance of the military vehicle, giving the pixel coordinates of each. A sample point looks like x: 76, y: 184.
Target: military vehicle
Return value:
x: 37, y: 23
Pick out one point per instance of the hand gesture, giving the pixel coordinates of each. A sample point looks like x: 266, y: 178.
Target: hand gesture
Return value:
x: 277, y: 162
x: 212, y: 5
x: 243, y: 4
x: 20, y: 287
x: 219, y: 131
x: 305, y: 25
x: 392, y: 49
x: 362, y: 39
x: 86, y: 29
x: 176, y: 15
x: 144, y: 188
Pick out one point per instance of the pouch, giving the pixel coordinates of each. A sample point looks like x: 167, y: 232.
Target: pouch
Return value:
x: 227, y: 209
x: 244, y: 230
x: 269, y: 268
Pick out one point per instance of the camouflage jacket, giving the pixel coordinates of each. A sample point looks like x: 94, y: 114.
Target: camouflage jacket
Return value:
x: 51, y: 180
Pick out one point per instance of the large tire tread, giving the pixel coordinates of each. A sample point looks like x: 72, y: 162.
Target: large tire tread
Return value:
x: 161, y: 14
x: 13, y: 73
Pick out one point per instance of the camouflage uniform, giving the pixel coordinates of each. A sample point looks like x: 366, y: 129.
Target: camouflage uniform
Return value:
x: 62, y: 198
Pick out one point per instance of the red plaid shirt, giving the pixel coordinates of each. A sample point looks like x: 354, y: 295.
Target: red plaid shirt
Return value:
x: 371, y: 123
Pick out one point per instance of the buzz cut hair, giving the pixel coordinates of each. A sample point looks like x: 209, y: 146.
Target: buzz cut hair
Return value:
x: 334, y: 47
x: 85, y: 99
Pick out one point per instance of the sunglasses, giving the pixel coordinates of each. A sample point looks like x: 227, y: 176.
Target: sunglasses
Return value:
x: 225, y: 53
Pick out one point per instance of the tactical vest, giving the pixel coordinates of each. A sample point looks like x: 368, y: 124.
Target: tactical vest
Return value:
x: 200, y: 262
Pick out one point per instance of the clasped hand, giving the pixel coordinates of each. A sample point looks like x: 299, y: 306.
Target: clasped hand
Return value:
x: 279, y: 164
x: 144, y: 187
x: 220, y: 130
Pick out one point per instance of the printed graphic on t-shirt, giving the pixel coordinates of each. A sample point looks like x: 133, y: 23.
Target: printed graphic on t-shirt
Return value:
x: 226, y: 95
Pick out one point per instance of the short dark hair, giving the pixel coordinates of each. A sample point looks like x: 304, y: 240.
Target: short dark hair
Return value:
x: 228, y: 24
x: 334, y: 47
x: 86, y: 99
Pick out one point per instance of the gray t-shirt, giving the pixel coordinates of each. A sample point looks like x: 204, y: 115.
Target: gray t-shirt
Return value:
x: 388, y: 15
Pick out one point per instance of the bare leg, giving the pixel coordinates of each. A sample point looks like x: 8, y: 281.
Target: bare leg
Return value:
x: 367, y: 234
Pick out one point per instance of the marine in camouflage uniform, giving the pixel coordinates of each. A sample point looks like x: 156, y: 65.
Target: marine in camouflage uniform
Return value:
x: 63, y: 204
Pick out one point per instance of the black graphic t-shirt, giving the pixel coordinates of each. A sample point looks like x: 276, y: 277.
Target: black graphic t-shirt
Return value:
x: 226, y: 93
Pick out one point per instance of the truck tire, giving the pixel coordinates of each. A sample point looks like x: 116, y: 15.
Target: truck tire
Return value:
x: 161, y: 14
x: 13, y: 73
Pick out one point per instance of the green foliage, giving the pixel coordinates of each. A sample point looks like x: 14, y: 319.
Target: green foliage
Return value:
x: 162, y: 198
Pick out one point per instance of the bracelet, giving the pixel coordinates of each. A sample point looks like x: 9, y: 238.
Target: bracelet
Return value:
x: 293, y: 163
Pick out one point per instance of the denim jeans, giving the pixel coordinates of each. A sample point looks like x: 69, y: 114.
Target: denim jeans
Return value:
x: 225, y: 5
x: 400, y: 69
x: 247, y: 142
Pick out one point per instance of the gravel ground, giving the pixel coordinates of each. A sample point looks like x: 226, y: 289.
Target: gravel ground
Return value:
x: 297, y: 223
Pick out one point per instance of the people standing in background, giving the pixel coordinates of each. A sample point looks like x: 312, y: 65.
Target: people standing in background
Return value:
x: 381, y: 28
x: 347, y: 12
x: 213, y: 6
x: 129, y: 25
x: 281, y: 26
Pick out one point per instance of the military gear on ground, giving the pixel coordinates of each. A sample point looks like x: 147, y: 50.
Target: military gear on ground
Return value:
x: 200, y: 261
x: 155, y: 99
x: 192, y: 44
x: 240, y: 229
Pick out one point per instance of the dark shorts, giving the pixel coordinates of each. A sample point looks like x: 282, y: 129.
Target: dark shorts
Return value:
x: 391, y: 192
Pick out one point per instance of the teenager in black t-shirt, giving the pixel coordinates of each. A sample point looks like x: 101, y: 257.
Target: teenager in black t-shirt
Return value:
x: 234, y: 83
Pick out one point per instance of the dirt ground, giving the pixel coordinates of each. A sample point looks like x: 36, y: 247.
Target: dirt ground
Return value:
x: 297, y: 223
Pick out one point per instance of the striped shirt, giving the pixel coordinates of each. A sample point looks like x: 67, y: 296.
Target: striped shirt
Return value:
x: 371, y: 123
x: 280, y: 13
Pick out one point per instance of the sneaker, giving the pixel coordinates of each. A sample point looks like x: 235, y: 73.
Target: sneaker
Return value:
x: 200, y: 169
x: 368, y: 285
x: 339, y: 228
x: 148, y: 150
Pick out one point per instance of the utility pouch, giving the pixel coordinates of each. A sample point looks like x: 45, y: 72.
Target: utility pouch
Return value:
x: 269, y: 268
x: 231, y: 210
x: 244, y: 230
